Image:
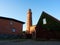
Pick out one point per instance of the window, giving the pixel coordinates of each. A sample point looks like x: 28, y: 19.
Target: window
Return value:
x: 11, y: 22
x: 13, y: 30
x: 44, y: 21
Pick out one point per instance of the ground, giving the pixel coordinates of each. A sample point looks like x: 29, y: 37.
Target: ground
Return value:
x: 28, y: 42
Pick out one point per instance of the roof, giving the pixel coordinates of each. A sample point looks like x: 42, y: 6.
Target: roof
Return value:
x: 44, y: 14
x: 11, y: 19
x: 52, y: 23
x: 50, y: 16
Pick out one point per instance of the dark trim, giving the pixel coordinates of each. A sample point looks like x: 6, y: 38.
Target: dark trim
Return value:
x: 11, y: 19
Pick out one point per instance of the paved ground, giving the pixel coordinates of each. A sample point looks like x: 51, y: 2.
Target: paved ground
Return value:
x: 30, y: 42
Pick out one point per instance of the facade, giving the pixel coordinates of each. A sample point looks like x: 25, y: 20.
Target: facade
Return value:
x: 9, y: 26
x: 32, y: 29
x: 47, y: 27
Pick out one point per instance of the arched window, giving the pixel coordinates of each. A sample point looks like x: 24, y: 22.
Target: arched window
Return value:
x: 44, y: 21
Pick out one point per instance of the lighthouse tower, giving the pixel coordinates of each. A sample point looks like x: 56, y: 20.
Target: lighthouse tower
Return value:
x: 29, y: 21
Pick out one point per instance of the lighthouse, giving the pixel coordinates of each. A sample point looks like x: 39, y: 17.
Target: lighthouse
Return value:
x: 28, y: 21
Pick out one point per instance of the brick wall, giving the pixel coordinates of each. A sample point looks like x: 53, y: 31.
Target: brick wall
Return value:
x: 6, y: 27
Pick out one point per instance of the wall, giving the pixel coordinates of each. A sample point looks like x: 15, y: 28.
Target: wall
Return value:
x: 50, y: 30
x: 6, y: 27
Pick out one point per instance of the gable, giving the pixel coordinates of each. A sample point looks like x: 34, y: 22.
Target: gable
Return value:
x: 48, y: 22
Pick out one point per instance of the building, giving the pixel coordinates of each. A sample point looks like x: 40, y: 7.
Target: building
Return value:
x: 29, y: 27
x: 29, y: 21
x: 47, y: 27
x: 10, y: 27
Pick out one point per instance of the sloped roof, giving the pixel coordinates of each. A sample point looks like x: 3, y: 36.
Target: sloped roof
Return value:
x: 46, y: 14
x: 11, y: 19
x: 52, y: 22
x: 50, y: 16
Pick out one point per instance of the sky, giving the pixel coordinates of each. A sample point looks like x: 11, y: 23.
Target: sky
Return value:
x: 17, y: 9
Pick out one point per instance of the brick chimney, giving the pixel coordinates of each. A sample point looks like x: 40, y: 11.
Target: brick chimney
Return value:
x: 29, y: 21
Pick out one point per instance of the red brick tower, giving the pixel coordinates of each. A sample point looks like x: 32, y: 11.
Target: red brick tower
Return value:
x: 29, y: 21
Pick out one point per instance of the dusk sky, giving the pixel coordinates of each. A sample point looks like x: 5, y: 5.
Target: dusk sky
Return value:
x: 17, y: 9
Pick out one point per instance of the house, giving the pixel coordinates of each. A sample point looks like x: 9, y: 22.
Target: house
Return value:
x: 47, y: 27
x: 10, y: 27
